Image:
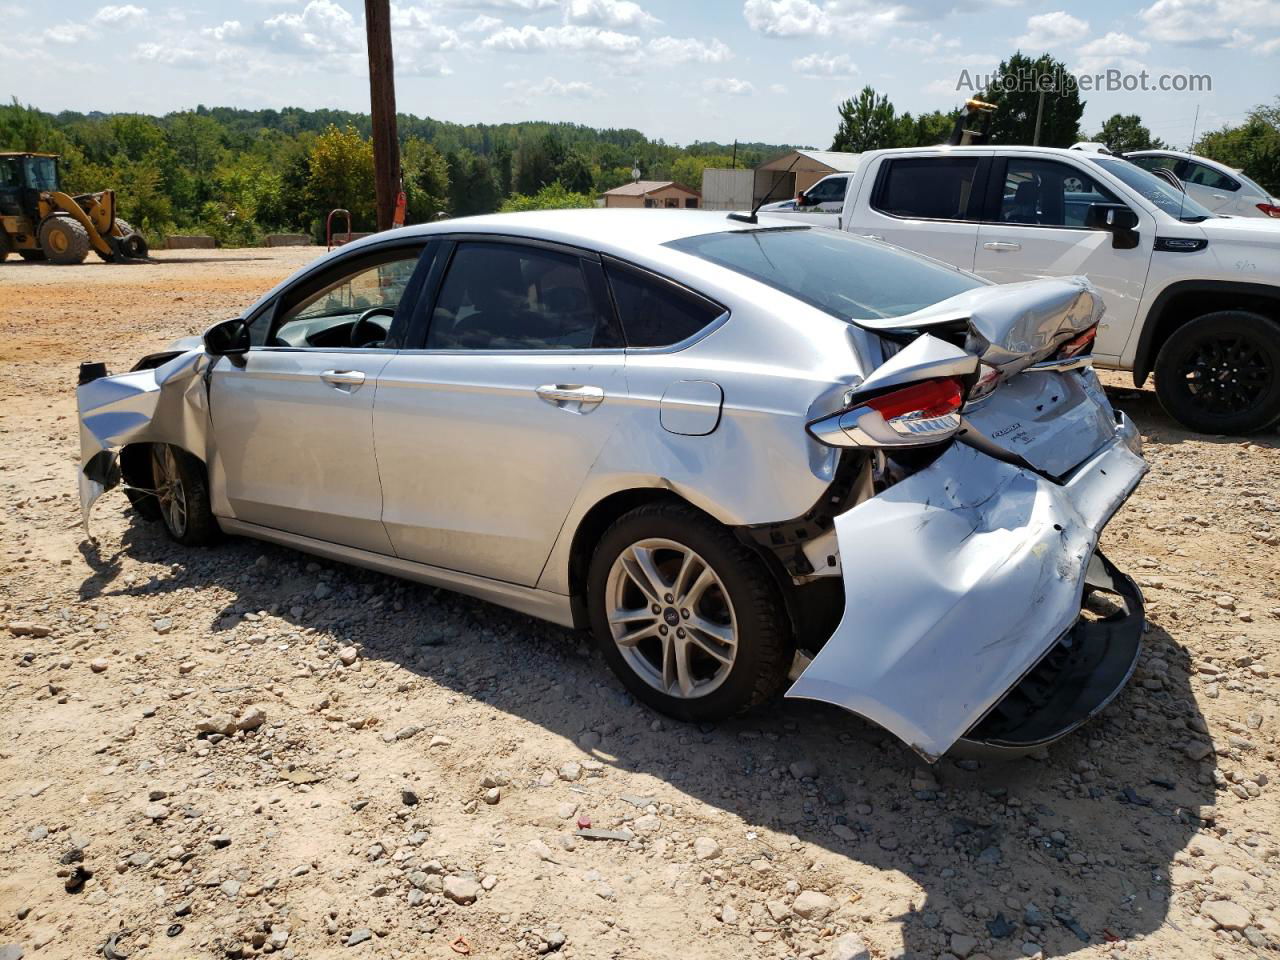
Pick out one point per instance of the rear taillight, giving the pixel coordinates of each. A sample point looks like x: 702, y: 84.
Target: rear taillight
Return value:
x: 1270, y: 209
x: 1081, y: 343
x: 919, y: 402
x: 918, y: 415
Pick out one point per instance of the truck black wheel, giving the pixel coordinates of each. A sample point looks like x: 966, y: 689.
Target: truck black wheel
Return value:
x: 1220, y: 373
x: 64, y: 240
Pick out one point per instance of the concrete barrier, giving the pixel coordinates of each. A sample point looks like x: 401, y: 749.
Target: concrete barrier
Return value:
x: 177, y: 241
x: 287, y: 240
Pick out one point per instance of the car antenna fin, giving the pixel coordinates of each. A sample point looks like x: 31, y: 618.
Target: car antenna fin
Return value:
x: 751, y: 217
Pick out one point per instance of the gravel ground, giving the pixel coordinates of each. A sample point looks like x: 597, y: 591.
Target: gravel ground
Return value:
x: 238, y: 751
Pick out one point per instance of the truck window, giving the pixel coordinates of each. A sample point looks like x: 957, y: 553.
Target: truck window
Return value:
x: 1049, y: 194
x: 828, y: 191
x: 927, y: 188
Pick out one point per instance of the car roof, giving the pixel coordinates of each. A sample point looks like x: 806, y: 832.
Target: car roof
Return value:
x: 1182, y: 154
x: 605, y: 229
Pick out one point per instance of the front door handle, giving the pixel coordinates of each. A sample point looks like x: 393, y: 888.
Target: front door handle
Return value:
x: 343, y: 378
x: 873, y: 236
x: 1001, y: 246
x: 571, y: 396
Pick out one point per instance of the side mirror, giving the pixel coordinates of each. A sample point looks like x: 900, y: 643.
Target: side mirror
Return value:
x: 1120, y: 221
x: 228, y: 338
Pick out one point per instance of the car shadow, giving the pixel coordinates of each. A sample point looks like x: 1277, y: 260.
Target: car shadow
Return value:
x: 1072, y: 848
x: 1157, y: 426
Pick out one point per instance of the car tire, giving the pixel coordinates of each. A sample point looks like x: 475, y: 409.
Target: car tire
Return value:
x: 64, y: 241
x: 1220, y: 373
x: 182, y: 492
x: 729, y: 593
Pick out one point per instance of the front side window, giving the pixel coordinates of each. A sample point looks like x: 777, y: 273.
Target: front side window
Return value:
x: 500, y: 296
x: 42, y: 173
x: 928, y: 188
x: 848, y: 277
x: 1049, y: 194
x: 9, y: 172
x: 329, y: 316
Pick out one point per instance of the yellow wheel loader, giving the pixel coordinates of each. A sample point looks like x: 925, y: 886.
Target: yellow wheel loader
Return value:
x: 40, y: 222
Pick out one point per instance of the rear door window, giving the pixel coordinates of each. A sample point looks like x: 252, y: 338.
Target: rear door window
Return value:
x: 509, y: 296
x: 928, y: 188
x: 656, y: 312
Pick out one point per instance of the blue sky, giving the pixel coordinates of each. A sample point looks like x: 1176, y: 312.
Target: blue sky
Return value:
x: 770, y: 70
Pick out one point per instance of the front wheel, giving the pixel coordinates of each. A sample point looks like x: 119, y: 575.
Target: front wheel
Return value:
x: 1220, y: 373
x: 64, y: 240
x: 687, y: 617
x: 182, y: 494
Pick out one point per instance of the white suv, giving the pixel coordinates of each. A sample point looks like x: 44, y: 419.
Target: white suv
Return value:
x: 1215, y: 186
x: 1191, y: 296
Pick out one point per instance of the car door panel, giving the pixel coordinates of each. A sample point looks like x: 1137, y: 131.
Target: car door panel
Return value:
x: 294, y: 436
x: 1009, y: 252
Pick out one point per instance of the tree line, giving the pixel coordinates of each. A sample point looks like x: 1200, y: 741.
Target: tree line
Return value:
x: 238, y: 174
x: 870, y: 122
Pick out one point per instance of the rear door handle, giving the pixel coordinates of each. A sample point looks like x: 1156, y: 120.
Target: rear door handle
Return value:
x: 570, y: 394
x: 1001, y: 246
x: 343, y: 378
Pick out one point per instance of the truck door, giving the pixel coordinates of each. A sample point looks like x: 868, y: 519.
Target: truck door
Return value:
x: 929, y: 203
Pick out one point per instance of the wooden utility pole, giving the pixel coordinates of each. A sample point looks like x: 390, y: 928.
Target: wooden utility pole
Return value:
x: 382, y: 98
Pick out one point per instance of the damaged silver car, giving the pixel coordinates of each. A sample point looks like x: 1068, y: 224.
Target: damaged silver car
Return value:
x: 743, y: 454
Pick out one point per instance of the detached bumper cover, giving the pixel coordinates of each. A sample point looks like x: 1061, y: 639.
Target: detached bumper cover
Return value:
x: 958, y: 581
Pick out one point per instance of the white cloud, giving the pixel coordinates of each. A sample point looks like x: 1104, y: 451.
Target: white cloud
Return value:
x: 481, y: 23
x: 551, y: 87
x: 623, y: 14
x: 1106, y: 50
x: 531, y: 39
x: 167, y: 55
x: 688, y: 50
x: 415, y: 29
x: 1208, y: 23
x: 777, y: 88
x: 227, y: 30
x: 523, y: 6
x: 785, y: 18
x: 66, y: 33
x: 1050, y: 29
x: 825, y: 65
x: 728, y: 85
x: 322, y: 27
x: 124, y: 15
x: 924, y: 46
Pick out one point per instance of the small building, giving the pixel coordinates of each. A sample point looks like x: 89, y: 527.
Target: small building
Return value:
x: 652, y: 193
x: 779, y: 179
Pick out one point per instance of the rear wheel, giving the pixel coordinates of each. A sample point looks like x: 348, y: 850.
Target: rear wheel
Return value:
x: 1220, y: 373
x: 182, y: 492
x: 64, y: 240
x: 133, y: 244
x: 688, y: 617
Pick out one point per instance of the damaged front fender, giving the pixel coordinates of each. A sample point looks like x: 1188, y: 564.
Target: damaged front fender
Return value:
x: 165, y: 404
x: 958, y: 580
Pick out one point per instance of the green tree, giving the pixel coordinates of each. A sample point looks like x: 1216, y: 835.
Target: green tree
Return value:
x: 1253, y: 146
x: 868, y: 123
x: 426, y: 180
x: 135, y: 135
x: 1018, y: 98
x: 473, y: 187
x: 341, y: 175
x: 928, y: 129
x: 554, y: 196
x: 1124, y: 132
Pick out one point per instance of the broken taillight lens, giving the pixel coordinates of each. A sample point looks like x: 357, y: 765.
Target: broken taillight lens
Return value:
x: 1081, y: 343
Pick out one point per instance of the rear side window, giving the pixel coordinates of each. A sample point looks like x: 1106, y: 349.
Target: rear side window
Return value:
x: 1204, y: 176
x: 928, y: 188
x: 655, y: 312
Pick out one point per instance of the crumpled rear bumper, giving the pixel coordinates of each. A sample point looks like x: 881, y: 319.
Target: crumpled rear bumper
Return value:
x: 959, y: 581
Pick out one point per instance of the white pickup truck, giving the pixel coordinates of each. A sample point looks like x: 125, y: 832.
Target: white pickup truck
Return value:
x: 1190, y: 296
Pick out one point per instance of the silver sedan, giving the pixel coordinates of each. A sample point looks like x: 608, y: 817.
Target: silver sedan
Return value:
x: 748, y: 457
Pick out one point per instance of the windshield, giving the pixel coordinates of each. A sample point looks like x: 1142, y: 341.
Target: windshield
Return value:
x: 1165, y: 196
x: 42, y: 173
x: 848, y: 277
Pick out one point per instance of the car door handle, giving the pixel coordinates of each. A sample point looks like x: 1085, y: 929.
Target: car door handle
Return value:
x: 343, y: 378
x: 1001, y: 246
x: 565, y: 393
x: 873, y: 236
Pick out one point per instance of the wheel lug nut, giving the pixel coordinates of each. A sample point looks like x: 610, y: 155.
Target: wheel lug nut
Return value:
x: 685, y: 614
x: 680, y: 634
x: 663, y: 630
x: 669, y: 598
x: 656, y: 608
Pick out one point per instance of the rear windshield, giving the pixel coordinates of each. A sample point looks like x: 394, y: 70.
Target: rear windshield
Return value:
x: 848, y: 277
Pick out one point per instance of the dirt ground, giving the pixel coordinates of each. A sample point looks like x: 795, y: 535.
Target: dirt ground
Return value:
x: 240, y: 750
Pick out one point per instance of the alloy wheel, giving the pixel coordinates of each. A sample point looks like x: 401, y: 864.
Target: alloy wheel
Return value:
x: 1226, y: 375
x: 671, y: 618
x: 169, y: 488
